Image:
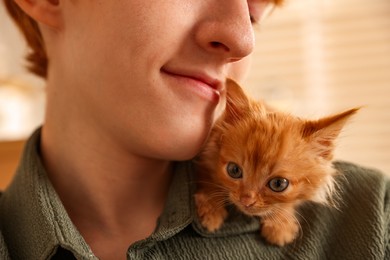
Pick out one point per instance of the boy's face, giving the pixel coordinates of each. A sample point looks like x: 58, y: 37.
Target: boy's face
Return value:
x: 150, y: 73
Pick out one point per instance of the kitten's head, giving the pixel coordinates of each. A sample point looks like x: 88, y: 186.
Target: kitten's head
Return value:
x: 264, y: 158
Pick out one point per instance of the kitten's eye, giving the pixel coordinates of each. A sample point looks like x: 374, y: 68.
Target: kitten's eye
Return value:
x: 278, y: 184
x: 234, y: 170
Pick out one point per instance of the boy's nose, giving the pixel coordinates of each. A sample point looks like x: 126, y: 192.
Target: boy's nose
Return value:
x: 227, y: 31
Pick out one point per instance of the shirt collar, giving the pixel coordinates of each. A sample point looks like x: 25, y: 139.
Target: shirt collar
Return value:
x: 34, y: 221
x: 177, y: 212
x: 180, y: 211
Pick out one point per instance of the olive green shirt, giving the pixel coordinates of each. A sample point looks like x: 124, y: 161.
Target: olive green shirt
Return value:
x: 35, y: 225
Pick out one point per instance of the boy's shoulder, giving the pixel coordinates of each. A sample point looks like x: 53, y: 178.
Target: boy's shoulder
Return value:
x: 362, y: 190
x: 355, y: 179
x: 3, y: 247
x: 356, y: 229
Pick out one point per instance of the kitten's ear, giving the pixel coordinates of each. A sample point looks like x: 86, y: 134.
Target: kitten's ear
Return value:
x: 237, y: 103
x: 322, y: 133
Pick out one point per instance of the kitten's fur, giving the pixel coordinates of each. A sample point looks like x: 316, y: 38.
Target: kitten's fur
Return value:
x: 265, y: 145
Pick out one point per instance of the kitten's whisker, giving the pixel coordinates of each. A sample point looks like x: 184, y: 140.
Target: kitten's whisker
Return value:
x: 218, y: 198
x: 302, y: 217
x: 212, y: 184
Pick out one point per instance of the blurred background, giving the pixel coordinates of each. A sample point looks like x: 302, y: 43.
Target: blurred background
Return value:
x: 316, y: 57
x: 312, y: 58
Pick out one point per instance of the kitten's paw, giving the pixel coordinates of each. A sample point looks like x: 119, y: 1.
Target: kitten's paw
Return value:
x: 211, y: 216
x: 279, y: 234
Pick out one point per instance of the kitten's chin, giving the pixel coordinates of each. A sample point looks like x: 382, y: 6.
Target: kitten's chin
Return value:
x: 253, y: 212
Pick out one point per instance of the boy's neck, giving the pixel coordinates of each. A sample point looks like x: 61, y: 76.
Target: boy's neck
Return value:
x: 109, y: 194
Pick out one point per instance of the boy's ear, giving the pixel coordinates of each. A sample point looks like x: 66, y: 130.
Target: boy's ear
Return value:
x: 47, y: 12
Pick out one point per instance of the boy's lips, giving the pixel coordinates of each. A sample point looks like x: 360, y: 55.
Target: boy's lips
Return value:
x: 201, y: 77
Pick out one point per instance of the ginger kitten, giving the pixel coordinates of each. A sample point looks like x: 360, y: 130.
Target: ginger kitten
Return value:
x: 265, y: 163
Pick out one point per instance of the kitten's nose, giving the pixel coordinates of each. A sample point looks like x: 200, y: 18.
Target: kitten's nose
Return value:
x: 247, y: 201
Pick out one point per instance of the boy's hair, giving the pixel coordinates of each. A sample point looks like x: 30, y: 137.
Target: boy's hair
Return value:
x: 37, y: 58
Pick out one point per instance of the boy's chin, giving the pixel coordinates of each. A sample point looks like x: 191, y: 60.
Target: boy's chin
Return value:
x: 186, y: 152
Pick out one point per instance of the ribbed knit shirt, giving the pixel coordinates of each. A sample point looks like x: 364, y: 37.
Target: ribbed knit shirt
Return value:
x: 35, y: 225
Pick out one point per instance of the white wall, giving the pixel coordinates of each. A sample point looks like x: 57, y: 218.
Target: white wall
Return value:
x: 21, y: 94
